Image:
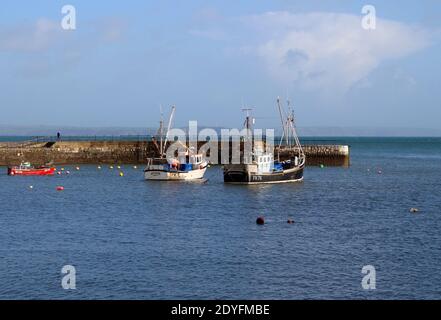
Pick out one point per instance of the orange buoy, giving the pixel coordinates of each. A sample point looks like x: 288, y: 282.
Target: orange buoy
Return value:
x: 260, y: 220
x: 60, y: 188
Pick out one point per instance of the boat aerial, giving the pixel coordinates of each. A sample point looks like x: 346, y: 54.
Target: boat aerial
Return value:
x: 262, y: 167
x: 187, y: 165
x: 26, y: 169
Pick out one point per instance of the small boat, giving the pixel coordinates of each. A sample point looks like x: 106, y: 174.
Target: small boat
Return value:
x: 188, y: 165
x: 261, y: 167
x: 26, y: 169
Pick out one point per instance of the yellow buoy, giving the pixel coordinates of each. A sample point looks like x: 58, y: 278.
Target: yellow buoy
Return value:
x: 121, y: 174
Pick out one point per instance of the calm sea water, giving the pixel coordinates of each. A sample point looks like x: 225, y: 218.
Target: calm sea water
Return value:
x: 132, y: 239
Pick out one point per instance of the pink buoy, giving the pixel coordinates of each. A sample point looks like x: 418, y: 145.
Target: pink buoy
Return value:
x: 260, y: 220
x: 60, y: 188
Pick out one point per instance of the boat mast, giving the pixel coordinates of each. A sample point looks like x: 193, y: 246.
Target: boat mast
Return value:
x: 282, y: 120
x: 248, y: 121
x: 289, y: 119
x: 248, y: 126
x: 292, y: 126
x: 170, y: 119
x: 161, y: 126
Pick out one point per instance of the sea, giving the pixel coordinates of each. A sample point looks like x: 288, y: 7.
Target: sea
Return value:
x: 353, y: 237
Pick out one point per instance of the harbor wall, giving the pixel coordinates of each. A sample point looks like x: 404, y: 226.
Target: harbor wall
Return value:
x: 133, y: 152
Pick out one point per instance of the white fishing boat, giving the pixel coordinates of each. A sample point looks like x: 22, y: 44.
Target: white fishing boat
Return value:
x: 186, y: 166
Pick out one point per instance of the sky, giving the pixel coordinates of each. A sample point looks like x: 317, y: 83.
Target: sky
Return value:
x: 212, y: 58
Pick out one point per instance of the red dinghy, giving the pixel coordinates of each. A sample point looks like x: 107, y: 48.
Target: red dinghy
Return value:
x: 25, y: 169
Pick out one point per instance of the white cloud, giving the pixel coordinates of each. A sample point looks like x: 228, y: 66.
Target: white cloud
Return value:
x: 329, y: 51
x: 44, y: 35
x: 29, y: 38
x: 110, y: 29
x: 44, y: 48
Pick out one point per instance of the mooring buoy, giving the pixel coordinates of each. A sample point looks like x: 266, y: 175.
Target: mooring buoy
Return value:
x: 290, y: 221
x: 414, y: 210
x: 60, y: 188
x: 260, y: 220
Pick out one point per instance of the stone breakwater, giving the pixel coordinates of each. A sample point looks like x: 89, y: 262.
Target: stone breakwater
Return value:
x: 132, y: 152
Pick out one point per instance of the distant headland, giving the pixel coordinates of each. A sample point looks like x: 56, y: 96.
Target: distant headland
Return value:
x: 307, y: 131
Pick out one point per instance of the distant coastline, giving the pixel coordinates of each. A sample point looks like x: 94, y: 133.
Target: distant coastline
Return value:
x: 34, y: 131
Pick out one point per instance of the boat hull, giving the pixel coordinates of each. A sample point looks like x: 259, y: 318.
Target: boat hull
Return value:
x: 31, y: 172
x: 162, y: 175
x: 237, y: 175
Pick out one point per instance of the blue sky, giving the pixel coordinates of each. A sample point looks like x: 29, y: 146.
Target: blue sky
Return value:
x: 210, y: 57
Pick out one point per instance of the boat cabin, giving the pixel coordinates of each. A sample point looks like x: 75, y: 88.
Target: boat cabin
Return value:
x: 264, y: 162
x: 184, y: 157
